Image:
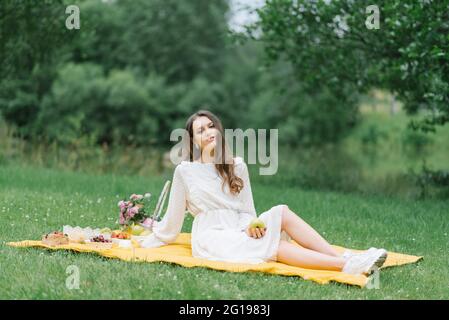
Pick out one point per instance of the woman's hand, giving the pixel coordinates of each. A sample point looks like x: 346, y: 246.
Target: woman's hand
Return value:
x: 256, y: 232
x: 208, y: 151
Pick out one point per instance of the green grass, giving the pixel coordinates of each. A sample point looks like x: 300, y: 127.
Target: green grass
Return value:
x: 35, y: 201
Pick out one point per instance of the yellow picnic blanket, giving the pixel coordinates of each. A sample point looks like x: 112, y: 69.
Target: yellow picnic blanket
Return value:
x: 180, y: 253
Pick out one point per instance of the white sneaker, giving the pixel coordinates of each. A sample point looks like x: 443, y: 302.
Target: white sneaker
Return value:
x: 348, y: 253
x: 366, y: 262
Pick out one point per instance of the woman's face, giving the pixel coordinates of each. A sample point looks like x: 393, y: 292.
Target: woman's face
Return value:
x: 204, y: 132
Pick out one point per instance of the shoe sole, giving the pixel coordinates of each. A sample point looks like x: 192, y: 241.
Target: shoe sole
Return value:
x: 378, y: 263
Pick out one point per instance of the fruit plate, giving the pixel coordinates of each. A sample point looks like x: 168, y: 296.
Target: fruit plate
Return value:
x: 122, y: 243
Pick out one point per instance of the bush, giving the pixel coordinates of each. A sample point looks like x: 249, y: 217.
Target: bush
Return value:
x: 113, y: 108
x: 428, y: 180
x: 415, y: 143
x: 372, y: 136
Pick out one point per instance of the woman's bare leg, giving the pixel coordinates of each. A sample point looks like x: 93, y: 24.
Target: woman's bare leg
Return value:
x: 294, y: 255
x: 304, y: 234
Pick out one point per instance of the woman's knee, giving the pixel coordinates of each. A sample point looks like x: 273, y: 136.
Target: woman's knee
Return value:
x: 285, y: 215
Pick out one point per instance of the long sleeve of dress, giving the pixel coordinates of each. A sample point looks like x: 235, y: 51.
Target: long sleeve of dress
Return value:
x: 168, y: 229
x: 246, y: 196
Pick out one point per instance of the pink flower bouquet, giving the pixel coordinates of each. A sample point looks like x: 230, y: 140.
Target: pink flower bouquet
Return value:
x: 135, y: 210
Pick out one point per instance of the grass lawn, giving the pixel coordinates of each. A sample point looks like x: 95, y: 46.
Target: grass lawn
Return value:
x: 35, y: 201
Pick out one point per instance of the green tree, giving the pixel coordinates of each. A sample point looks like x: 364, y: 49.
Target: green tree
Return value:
x: 113, y: 108
x: 33, y: 38
x: 178, y: 39
x: 330, y: 47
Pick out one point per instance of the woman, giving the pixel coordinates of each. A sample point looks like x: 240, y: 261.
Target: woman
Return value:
x: 216, y: 190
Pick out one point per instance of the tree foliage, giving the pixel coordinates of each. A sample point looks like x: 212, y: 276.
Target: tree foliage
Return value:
x: 131, y: 71
x: 137, y: 68
x: 330, y: 46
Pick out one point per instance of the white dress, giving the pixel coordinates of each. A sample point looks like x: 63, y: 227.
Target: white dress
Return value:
x: 220, y: 218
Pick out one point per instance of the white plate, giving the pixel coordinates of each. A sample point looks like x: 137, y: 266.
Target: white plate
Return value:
x: 122, y: 243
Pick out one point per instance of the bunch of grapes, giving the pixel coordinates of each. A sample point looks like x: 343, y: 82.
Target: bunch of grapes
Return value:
x: 100, y: 238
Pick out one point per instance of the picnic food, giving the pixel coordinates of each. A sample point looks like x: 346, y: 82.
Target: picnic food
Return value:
x: 105, y: 230
x: 257, y: 223
x: 137, y: 230
x: 78, y: 234
x: 99, y: 242
x: 100, y: 238
x: 120, y: 235
x: 77, y: 238
x: 55, y: 238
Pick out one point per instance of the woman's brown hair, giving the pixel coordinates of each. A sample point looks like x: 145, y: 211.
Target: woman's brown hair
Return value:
x: 224, y: 162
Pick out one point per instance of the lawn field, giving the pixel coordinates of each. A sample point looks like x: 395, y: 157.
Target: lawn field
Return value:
x: 35, y: 201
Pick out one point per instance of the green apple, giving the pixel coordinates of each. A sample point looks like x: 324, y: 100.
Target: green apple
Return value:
x: 106, y: 230
x: 257, y: 223
x: 137, y: 230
